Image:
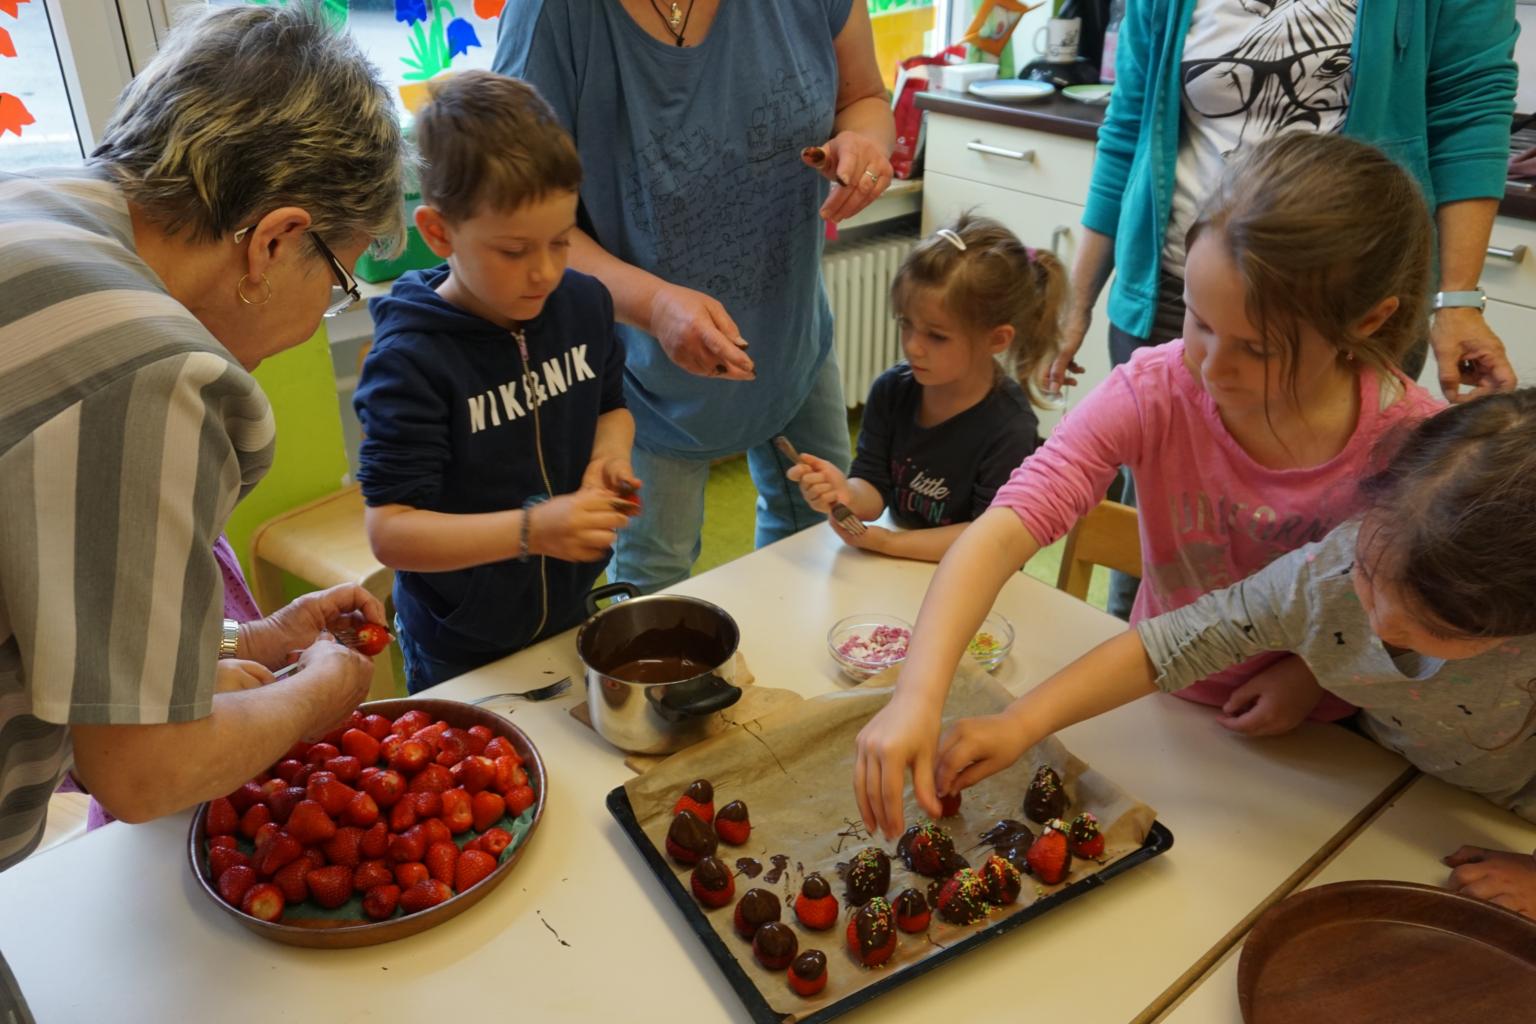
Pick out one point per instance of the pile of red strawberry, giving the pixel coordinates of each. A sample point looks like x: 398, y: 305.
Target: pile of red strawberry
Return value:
x: 376, y: 809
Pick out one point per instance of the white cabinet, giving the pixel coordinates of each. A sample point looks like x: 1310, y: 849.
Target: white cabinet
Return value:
x: 1035, y: 183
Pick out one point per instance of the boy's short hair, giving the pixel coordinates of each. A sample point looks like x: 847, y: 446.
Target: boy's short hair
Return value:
x: 489, y: 142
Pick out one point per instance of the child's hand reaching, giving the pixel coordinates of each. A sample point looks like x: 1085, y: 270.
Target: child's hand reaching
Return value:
x: 1274, y: 701
x: 615, y: 474
x: 975, y: 748
x: 578, y: 527
x: 821, y: 483
x: 1498, y: 876
x: 902, y: 735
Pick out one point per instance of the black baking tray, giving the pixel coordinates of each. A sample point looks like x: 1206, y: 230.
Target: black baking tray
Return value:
x: 1159, y: 840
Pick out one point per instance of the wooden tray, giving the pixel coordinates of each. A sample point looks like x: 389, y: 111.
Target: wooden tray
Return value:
x: 345, y: 926
x: 1387, y: 951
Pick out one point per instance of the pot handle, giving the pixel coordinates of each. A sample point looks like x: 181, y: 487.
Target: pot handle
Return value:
x: 717, y: 698
x: 618, y: 591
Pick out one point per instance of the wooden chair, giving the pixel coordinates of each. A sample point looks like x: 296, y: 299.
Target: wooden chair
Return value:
x: 1106, y: 536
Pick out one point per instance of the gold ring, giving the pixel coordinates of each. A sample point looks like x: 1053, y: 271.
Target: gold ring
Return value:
x: 872, y: 176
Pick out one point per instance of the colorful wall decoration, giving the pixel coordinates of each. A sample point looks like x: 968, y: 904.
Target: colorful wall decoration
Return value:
x: 14, y: 115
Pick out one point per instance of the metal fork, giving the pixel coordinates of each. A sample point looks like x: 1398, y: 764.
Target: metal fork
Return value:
x: 538, y: 693
x: 845, y: 516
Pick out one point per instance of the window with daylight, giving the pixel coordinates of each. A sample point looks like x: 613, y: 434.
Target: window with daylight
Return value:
x: 37, y: 124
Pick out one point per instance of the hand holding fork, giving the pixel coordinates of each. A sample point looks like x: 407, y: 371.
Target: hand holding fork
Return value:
x: 845, y: 516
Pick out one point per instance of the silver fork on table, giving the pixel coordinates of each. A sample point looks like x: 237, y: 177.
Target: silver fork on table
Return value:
x: 538, y: 693
x: 845, y: 516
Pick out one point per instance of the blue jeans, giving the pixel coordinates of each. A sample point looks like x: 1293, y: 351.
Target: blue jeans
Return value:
x: 658, y: 548
x: 421, y: 669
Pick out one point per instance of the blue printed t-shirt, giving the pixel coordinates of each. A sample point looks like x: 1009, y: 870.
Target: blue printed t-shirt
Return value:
x: 452, y: 423
x: 691, y: 160
x: 949, y: 472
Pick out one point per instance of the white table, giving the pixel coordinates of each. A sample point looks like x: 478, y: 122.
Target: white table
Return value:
x: 112, y: 927
x: 1405, y: 842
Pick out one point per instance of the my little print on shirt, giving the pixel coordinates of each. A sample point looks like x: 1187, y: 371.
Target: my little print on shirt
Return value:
x: 923, y: 496
x: 511, y: 401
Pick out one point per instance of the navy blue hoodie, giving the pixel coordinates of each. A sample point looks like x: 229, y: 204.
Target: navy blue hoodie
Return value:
x: 448, y: 425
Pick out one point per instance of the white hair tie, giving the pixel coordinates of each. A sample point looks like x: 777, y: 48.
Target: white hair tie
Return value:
x: 952, y: 238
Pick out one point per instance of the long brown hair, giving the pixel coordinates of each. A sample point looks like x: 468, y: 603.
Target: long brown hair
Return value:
x: 994, y: 280
x: 1322, y: 228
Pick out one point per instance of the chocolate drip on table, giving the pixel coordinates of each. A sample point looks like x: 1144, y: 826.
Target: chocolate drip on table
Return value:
x: 749, y: 867
x: 780, y: 863
x: 1011, y: 839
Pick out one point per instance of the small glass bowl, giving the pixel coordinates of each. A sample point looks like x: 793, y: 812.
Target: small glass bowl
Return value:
x: 850, y: 641
x: 992, y: 642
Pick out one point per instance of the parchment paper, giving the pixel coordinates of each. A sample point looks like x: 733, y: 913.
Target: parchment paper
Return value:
x: 794, y: 770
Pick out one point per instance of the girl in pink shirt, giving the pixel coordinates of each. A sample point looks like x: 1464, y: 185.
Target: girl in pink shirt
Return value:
x: 1305, y: 280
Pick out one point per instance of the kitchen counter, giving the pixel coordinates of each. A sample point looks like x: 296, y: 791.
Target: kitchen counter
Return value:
x: 1057, y: 115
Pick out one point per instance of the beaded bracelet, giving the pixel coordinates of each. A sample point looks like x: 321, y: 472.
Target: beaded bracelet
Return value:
x: 523, y: 551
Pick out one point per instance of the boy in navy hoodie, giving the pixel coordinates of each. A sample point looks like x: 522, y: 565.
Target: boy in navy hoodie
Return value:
x: 496, y: 460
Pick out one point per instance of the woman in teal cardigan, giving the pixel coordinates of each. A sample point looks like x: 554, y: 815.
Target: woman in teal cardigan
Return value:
x: 1431, y: 82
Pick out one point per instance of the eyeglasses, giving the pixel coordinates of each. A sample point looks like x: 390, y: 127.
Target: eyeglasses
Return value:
x: 344, y: 293
x: 1234, y: 83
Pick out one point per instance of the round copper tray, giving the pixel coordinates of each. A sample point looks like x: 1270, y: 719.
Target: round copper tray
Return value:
x: 1386, y: 951
x: 340, y: 933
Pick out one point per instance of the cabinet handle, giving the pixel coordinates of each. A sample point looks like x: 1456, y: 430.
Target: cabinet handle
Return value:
x: 1514, y: 254
x: 977, y: 146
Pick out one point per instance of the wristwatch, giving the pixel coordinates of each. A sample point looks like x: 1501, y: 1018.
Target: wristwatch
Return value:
x: 229, y: 639
x: 1476, y: 299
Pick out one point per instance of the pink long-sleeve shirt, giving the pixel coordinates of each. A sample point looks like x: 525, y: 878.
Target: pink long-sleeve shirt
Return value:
x: 1209, y: 514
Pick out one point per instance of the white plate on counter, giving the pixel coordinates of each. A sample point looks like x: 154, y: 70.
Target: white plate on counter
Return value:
x: 1095, y: 95
x: 1012, y: 90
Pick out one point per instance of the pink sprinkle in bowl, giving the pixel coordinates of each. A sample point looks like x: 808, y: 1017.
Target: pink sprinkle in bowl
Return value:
x: 865, y: 645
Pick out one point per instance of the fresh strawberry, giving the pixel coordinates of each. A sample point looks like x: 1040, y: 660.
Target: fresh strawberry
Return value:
x: 436, y: 831
x: 949, y: 805
x: 432, y: 736
x: 234, y: 882
x: 375, y: 841
x: 1084, y: 838
x: 222, y: 858
x: 245, y: 796
x: 221, y: 819
x: 452, y: 747
x: 264, y: 901
x: 434, y: 778
x: 429, y: 804
x: 357, y: 743
x: 377, y: 726
x: 287, y: 769
x: 487, y: 809
x: 410, y: 757
x: 283, y: 849
x: 872, y: 933
x: 345, y: 768
x: 912, y: 912
x: 264, y: 836
x: 408, y: 845
x: 321, y: 753
x: 423, y: 895
x: 698, y: 798
x: 257, y: 816
x: 330, y: 886
x: 283, y: 803
x: 816, y: 907
x: 408, y: 874
x: 386, y: 787
x: 808, y: 973
x: 269, y: 789
x: 474, y: 773
x: 224, y: 842
x: 291, y: 880
x: 309, y: 823
x: 334, y: 736
x: 361, y: 811
x: 457, y: 813
x: 519, y: 799
x: 408, y: 723
x: 371, y: 873
x: 441, y: 860
x: 330, y: 792
x: 345, y: 847
x: 371, y: 639
x: 402, y: 816
x: 1049, y: 856
x: 380, y: 901
x: 732, y: 823
x: 712, y: 883
x: 299, y: 751
x: 509, y: 774
x: 474, y: 866
x: 494, y: 840
x: 500, y: 746
x: 389, y: 747
x: 480, y: 737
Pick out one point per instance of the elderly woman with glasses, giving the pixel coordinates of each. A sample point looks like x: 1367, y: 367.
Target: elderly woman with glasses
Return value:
x: 243, y: 171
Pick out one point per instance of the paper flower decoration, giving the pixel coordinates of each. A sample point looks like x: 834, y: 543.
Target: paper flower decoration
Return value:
x: 461, y: 36
x: 14, y: 114
x: 410, y: 11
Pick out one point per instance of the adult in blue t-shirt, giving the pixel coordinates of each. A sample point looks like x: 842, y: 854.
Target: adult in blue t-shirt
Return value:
x: 699, y: 214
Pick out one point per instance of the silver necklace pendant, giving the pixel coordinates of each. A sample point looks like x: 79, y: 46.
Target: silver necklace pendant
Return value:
x: 676, y: 17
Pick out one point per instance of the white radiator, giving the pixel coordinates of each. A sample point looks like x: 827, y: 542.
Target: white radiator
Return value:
x: 858, y: 279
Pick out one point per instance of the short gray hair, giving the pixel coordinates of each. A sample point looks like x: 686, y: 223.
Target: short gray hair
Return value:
x: 247, y: 109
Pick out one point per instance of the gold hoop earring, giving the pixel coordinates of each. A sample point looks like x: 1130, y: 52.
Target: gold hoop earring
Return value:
x: 265, y: 296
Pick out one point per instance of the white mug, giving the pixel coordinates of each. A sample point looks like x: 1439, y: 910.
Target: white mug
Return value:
x: 1061, y: 34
